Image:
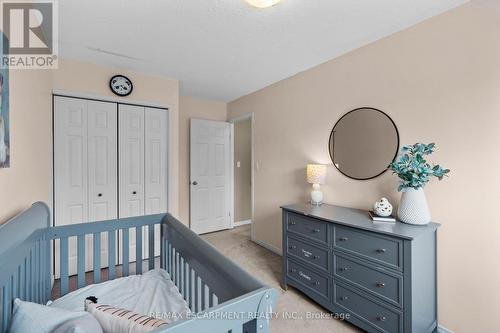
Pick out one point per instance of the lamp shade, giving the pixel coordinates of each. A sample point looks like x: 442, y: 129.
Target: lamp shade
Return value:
x: 262, y: 3
x: 316, y: 174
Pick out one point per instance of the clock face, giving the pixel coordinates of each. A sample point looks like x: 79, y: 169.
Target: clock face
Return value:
x: 121, y: 85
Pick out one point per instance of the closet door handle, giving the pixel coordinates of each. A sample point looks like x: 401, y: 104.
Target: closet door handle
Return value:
x: 134, y: 192
x: 99, y: 195
x: 195, y: 183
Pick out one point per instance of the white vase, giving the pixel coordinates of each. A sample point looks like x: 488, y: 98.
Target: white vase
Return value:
x: 413, y: 208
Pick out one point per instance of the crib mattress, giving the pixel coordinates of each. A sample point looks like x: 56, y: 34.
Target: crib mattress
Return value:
x: 152, y: 293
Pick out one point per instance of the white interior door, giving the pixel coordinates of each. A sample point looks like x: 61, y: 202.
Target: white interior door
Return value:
x: 102, y: 169
x: 156, y: 149
x: 70, y: 169
x: 210, y: 202
x: 131, y: 166
x: 85, y: 171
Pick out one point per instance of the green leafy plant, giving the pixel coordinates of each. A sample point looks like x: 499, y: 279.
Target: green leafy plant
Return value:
x: 413, y: 169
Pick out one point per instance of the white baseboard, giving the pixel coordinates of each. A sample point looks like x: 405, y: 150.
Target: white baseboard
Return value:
x: 268, y: 246
x: 442, y: 329
x: 240, y: 223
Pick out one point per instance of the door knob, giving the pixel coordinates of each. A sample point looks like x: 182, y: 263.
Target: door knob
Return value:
x: 195, y: 183
x: 135, y: 192
x: 99, y: 195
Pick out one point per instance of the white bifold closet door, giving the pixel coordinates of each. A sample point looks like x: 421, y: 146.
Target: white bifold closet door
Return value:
x: 142, y: 168
x: 85, y: 169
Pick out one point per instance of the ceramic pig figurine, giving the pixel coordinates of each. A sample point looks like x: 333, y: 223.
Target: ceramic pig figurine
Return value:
x: 382, y: 207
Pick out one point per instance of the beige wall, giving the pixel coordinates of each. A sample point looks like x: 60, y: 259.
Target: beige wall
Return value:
x: 29, y: 178
x: 243, y: 174
x: 192, y: 108
x: 440, y: 82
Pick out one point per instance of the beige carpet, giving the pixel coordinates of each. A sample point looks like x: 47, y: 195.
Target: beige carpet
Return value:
x: 266, y: 266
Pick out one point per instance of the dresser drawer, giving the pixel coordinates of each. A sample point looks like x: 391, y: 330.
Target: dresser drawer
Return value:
x: 310, y: 253
x: 378, y: 316
x: 382, y: 249
x: 308, y: 278
x: 308, y: 227
x: 384, y: 285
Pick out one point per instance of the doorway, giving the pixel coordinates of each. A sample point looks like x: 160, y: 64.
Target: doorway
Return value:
x: 243, y: 170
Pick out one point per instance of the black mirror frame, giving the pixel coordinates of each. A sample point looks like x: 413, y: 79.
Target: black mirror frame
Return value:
x: 333, y: 154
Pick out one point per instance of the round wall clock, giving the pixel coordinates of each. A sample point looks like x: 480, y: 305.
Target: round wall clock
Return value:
x: 121, y: 85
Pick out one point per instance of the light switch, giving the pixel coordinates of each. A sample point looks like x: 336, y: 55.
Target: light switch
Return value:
x: 238, y: 164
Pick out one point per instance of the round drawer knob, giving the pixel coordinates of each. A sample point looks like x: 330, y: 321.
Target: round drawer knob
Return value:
x: 380, y: 284
x: 381, y: 250
x: 382, y: 318
x: 343, y: 269
x: 343, y: 239
x: 316, y: 257
x: 344, y: 298
x: 293, y: 246
x: 99, y: 195
x: 316, y: 283
x: 316, y: 231
x: 134, y: 192
x: 293, y: 270
x: 293, y: 223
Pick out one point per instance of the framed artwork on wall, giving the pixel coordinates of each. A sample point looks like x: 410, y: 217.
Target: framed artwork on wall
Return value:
x: 4, y: 107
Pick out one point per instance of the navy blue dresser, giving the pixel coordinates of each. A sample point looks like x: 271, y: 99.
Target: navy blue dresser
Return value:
x: 382, y: 275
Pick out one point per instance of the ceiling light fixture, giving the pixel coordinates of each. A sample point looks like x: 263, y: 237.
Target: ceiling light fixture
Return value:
x: 263, y: 3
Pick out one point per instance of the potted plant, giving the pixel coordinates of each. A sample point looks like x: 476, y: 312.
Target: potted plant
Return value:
x: 414, y: 172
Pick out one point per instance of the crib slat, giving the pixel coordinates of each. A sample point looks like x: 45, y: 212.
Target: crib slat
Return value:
x: 151, y: 246
x: 177, y: 268
x: 81, y: 260
x: 97, y: 257
x: 192, y: 292
x: 38, y: 274
x: 45, y: 271
x: 214, y: 301
x: 206, y: 297
x: 181, y: 276
x: 138, y: 250
x: 5, y: 307
x: 63, y: 265
x: 24, y: 270
x: 125, y: 249
x: 34, y: 274
x: 186, y: 282
x: 169, y: 256
x: 199, y: 294
x: 111, y: 254
x: 29, y: 281
x: 162, y: 249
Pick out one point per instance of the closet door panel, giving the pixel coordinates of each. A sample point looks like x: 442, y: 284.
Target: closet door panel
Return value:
x: 131, y: 167
x: 131, y: 164
x: 156, y: 140
x: 102, y: 169
x: 70, y: 168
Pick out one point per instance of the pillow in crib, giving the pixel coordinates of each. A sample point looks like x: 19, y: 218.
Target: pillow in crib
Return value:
x: 30, y: 317
x: 117, y: 320
x: 85, y: 324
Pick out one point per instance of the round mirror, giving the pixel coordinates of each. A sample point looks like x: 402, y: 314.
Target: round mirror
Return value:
x: 363, y: 143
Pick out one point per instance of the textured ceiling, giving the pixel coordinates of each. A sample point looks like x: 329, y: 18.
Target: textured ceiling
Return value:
x: 223, y: 49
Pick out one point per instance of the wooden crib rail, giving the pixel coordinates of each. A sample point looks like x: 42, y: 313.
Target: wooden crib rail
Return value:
x: 187, y: 252
x: 24, y: 260
x: 111, y: 229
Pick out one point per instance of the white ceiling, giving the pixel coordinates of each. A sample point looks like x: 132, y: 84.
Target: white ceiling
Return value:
x: 223, y: 49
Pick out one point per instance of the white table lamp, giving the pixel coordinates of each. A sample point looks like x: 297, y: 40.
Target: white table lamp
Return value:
x: 316, y: 175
